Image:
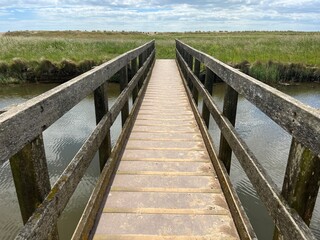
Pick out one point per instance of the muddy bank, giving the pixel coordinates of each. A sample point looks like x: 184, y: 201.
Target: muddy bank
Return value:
x: 275, y: 72
x: 46, y: 71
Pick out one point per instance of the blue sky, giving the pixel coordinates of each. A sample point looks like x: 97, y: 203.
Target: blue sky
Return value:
x: 160, y: 15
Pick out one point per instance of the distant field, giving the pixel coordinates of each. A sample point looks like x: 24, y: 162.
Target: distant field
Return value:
x: 230, y: 47
x: 31, y: 47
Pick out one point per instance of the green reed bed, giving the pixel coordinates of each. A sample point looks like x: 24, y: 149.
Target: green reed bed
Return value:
x: 60, y: 55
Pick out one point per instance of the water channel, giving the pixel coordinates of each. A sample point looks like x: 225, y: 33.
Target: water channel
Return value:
x: 62, y: 140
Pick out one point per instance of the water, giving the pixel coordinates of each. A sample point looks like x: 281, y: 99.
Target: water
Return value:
x: 270, y: 144
x: 63, y: 139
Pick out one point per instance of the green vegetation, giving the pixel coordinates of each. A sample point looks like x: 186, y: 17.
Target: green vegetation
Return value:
x: 60, y: 55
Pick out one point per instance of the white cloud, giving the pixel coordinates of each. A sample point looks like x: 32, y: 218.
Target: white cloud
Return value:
x: 160, y: 15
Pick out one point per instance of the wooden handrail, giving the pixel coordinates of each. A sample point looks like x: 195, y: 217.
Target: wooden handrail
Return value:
x: 23, y: 123
x: 298, y: 119
x: 46, y: 109
x: 304, y: 119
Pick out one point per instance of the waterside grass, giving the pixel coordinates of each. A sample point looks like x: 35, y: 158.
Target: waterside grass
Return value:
x: 60, y: 55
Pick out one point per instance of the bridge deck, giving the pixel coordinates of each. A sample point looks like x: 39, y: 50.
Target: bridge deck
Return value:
x: 165, y: 187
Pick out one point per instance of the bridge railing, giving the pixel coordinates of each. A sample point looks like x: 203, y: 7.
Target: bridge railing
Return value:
x: 21, y: 139
x: 302, y: 177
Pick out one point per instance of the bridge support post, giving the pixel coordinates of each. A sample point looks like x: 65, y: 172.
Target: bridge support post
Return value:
x: 229, y: 111
x: 134, y: 71
x: 141, y: 61
x: 301, y: 182
x: 195, y: 93
x: 123, y: 85
x: 190, y: 65
x: 208, y: 84
x: 101, y: 108
x: 31, y: 178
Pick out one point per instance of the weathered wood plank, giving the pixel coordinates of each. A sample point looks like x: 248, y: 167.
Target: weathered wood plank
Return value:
x: 229, y: 111
x: 290, y: 223
x: 31, y: 177
x: 123, y: 85
x: 23, y: 123
x: 134, y: 69
x: 298, y: 119
x: 301, y: 182
x: 101, y: 109
x: 208, y: 86
x: 197, y: 73
x: 46, y: 215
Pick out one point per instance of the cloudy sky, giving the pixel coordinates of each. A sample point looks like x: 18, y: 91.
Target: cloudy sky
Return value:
x: 160, y: 15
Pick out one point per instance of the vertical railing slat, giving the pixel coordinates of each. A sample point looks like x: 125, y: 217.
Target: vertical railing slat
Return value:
x: 134, y: 69
x: 123, y: 85
x: 197, y: 73
x: 208, y: 84
x: 101, y: 108
x: 301, y: 182
x: 229, y: 111
x: 31, y: 178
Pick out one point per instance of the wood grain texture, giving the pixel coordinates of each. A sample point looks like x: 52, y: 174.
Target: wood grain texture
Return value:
x: 46, y: 215
x: 290, y: 223
x: 241, y: 220
x: 298, y: 119
x: 26, y: 121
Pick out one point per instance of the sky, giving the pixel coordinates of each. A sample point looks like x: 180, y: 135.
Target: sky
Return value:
x: 160, y: 15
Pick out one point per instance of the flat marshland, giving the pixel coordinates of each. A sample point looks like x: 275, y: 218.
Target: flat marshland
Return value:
x: 278, y: 56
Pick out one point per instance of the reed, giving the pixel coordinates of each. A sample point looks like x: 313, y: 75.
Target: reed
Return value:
x: 60, y: 55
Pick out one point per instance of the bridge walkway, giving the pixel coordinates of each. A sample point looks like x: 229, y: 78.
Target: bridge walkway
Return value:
x: 165, y: 186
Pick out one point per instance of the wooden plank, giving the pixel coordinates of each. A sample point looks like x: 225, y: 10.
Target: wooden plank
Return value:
x: 26, y: 121
x: 289, y: 222
x: 229, y: 111
x: 31, y: 178
x: 301, y: 182
x: 101, y: 109
x: 195, y: 93
x: 152, y: 237
x: 208, y: 84
x: 298, y: 119
x: 134, y: 69
x: 166, y: 224
x: 123, y: 84
x: 165, y: 200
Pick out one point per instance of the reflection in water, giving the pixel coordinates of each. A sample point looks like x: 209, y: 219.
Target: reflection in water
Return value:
x: 63, y: 139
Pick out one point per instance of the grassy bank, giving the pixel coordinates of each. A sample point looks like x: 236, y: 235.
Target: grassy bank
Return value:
x: 60, y: 55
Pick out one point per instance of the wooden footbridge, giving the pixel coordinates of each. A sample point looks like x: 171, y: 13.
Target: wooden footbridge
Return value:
x: 163, y: 179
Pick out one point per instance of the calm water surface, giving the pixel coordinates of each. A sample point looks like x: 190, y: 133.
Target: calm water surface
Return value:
x: 63, y: 139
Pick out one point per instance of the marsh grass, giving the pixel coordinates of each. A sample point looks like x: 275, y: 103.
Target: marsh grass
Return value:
x: 280, y: 56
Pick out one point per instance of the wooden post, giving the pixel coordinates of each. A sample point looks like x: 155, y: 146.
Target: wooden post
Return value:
x: 301, y: 182
x: 123, y: 85
x: 190, y: 65
x: 31, y: 178
x: 101, y: 108
x: 141, y: 61
x: 229, y: 111
x: 208, y: 84
x: 134, y: 71
x: 197, y: 73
